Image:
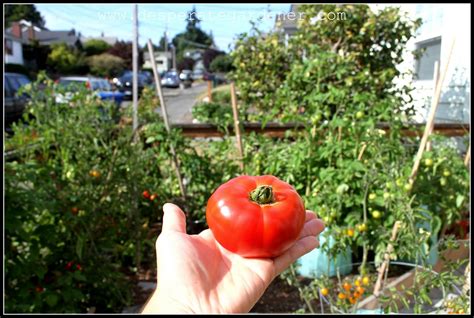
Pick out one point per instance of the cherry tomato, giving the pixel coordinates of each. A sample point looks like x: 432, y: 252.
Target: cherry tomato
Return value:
x: 376, y: 214
x: 324, y: 291
x: 146, y: 194
x: 362, y: 227
x: 341, y: 296
x: 347, y: 286
x: 360, y: 289
x: 256, y: 216
x: 350, y: 232
x: 39, y: 289
x: 74, y: 210
x: 153, y: 197
x: 428, y: 162
x: 94, y: 174
x: 366, y: 280
x: 352, y: 300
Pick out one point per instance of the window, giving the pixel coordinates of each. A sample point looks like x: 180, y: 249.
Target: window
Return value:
x: 8, y: 46
x: 424, y: 67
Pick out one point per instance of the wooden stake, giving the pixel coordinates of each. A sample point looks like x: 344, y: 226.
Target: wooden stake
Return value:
x: 430, y: 120
x: 237, y: 125
x: 468, y: 156
x: 435, y: 85
x: 209, y: 91
x: 165, y: 115
x: 384, y: 267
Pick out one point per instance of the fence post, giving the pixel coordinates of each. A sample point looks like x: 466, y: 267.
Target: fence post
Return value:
x: 237, y: 125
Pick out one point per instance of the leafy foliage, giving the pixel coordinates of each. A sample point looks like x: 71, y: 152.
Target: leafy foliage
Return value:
x: 106, y: 65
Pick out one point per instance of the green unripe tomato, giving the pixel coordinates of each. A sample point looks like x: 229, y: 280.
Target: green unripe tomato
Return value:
x: 443, y: 181
x: 359, y: 115
x: 372, y: 196
x: 446, y: 173
x: 408, y: 187
x: 428, y: 162
x: 376, y: 214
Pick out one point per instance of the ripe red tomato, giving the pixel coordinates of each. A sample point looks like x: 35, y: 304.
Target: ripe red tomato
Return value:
x: 146, y: 194
x: 256, y: 216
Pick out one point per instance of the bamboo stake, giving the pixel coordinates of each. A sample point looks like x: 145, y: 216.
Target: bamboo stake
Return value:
x: 430, y: 121
x: 435, y: 80
x: 384, y: 267
x: 467, y: 283
x: 209, y: 91
x: 165, y: 116
x: 237, y: 125
x: 468, y: 156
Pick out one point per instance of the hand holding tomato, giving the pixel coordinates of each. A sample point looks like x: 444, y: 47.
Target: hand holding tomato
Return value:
x: 197, y: 275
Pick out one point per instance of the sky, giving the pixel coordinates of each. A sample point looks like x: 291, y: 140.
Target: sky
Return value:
x: 225, y: 21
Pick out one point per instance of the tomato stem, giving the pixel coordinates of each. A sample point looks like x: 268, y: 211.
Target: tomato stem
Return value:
x: 262, y: 195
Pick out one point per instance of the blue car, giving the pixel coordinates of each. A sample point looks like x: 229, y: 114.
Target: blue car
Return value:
x: 99, y: 86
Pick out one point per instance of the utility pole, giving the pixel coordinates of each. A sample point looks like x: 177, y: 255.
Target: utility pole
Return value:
x: 174, y: 57
x: 135, y: 67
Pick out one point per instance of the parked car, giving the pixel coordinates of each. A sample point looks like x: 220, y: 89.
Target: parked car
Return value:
x: 171, y: 79
x: 198, y: 74
x: 186, y: 76
x: 99, y: 86
x: 14, y: 103
x: 125, y: 83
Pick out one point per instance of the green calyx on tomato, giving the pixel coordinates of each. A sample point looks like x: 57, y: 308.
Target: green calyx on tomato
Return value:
x: 262, y: 195
x: 256, y: 216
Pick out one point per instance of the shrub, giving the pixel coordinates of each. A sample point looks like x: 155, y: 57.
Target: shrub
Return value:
x: 106, y: 65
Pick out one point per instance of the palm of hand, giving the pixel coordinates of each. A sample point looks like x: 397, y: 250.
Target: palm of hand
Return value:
x: 196, y: 274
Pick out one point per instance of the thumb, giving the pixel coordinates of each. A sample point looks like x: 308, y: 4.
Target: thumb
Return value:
x: 174, y: 218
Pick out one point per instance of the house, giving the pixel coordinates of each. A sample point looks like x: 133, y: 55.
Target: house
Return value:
x: 13, y: 50
x: 162, y: 59
x: 28, y: 33
x: 441, y: 24
x: 287, y: 23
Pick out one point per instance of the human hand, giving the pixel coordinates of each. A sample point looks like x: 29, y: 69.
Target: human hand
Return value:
x: 197, y: 275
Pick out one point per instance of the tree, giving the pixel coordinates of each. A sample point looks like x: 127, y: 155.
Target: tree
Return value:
x: 124, y: 50
x: 67, y: 60
x: 106, y: 64
x: 185, y: 64
x: 95, y: 46
x: 193, y: 36
x: 222, y: 63
x: 208, y: 56
x: 28, y: 12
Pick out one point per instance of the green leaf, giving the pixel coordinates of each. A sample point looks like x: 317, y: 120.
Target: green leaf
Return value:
x: 149, y: 140
x: 79, y: 247
x: 52, y: 299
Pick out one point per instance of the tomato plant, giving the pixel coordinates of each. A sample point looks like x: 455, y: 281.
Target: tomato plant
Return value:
x: 264, y: 214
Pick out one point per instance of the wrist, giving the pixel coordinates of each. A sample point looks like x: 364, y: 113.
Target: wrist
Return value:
x: 162, y: 303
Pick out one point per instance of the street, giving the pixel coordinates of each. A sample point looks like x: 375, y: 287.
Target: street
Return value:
x: 179, y: 102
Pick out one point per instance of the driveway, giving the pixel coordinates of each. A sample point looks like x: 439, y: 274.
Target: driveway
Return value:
x: 179, y: 102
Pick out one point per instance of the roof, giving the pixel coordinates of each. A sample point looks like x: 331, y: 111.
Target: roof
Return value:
x: 45, y: 37
x: 50, y: 37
